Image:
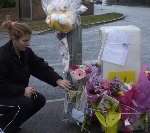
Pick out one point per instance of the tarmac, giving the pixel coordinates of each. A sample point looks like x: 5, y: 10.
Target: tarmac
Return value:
x: 50, y: 119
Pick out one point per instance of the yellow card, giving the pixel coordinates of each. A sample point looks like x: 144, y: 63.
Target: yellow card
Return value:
x: 125, y: 76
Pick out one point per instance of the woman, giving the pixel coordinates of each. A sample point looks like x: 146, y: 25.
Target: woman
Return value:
x: 17, y: 63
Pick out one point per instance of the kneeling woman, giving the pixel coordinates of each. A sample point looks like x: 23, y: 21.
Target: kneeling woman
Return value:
x: 17, y: 63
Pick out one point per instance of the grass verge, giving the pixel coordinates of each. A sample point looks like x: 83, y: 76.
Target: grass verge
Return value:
x: 86, y: 21
x: 99, y: 19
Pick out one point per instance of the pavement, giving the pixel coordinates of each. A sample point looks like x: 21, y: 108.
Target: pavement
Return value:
x: 50, y: 119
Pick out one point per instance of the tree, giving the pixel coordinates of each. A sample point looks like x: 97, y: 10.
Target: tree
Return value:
x: 7, y: 3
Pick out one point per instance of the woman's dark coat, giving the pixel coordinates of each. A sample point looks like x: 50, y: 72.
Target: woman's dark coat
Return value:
x: 15, y: 72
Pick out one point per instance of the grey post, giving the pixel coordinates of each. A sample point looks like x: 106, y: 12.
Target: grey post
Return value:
x: 75, y: 45
x: 75, y: 51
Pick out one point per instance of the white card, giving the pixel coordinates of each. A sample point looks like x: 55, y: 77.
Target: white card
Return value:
x: 115, y: 53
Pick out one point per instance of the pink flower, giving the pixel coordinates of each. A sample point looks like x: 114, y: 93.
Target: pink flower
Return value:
x: 78, y: 74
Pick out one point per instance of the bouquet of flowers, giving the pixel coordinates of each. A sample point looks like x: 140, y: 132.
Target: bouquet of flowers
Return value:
x: 75, y: 99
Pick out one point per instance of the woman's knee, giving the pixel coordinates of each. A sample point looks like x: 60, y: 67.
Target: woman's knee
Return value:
x: 40, y: 100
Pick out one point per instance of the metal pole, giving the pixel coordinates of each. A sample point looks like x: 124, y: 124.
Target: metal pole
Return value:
x: 75, y: 45
x: 74, y: 39
x: 31, y: 10
x: 18, y: 8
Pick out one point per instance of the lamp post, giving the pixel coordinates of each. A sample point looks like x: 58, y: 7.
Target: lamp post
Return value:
x: 75, y: 45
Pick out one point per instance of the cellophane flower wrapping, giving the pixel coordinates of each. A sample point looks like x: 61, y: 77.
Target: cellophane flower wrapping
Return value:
x: 141, y: 100
x: 62, y: 15
x: 64, y: 51
x: 136, y: 101
x: 90, y: 87
x: 76, y: 98
x: 143, y: 88
x: 96, y: 86
x: 127, y: 105
x: 100, y: 96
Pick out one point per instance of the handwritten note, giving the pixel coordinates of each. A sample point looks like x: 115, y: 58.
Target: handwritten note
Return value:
x: 116, y: 48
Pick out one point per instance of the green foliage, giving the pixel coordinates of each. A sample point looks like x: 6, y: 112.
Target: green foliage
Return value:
x: 97, y: 19
x: 7, y: 3
x: 86, y: 21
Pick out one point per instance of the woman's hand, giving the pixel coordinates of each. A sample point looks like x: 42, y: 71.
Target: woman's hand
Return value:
x: 64, y: 83
x: 29, y: 91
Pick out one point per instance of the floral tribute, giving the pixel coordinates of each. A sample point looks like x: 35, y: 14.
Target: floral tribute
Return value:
x: 111, y: 101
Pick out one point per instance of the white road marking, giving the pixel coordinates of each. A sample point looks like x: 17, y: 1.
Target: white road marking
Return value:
x: 55, y: 100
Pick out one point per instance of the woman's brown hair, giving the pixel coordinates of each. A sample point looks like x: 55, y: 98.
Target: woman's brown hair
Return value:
x: 16, y: 30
